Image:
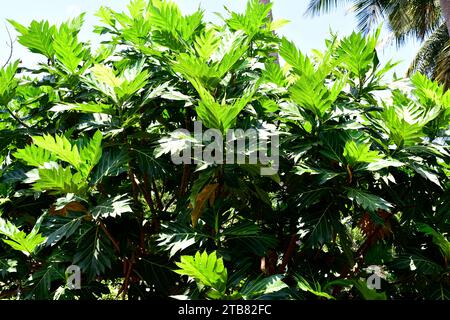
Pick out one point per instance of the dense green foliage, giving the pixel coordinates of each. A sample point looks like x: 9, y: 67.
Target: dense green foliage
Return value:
x: 85, y: 149
x: 425, y: 20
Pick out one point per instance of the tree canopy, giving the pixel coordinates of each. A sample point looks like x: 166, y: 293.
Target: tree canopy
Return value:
x: 87, y: 179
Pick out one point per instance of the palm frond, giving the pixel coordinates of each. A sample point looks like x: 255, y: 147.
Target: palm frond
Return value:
x: 316, y: 7
x: 415, y: 18
x: 425, y: 60
x: 442, y: 70
x: 369, y: 13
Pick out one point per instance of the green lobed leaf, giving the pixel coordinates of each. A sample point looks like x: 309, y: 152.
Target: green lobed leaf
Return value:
x: 204, y: 268
x: 113, y: 207
x: 368, y: 201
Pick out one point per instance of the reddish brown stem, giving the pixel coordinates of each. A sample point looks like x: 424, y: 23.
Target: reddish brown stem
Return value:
x: 114, y: 242
x: 126, y: 281
x: 184, y: 180
x: 288, y: 254
x: 147, y: 195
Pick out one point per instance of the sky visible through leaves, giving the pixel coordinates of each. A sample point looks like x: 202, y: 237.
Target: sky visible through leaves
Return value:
x: 308, y: 33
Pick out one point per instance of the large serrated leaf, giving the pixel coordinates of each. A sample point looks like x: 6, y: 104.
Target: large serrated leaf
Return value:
x: 38, y: 37
x: 61, y: 227
x: 34, y: 155
x: 94, y: 253
x: 113, y: 207
x: 111, y: 164
x: 19, y: 240
x: 205, y: 268
x: 255, y: 288
x: 369, y: 201
x: 59, y: 180
x: 91, y: 153
x: 61, y: 147
x: 68, y: 50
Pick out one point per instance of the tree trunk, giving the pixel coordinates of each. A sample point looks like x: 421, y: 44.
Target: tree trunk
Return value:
x: 270, y: 13
x: 445, y: 7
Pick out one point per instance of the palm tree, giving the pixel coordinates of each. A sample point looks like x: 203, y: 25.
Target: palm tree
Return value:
x: 445, y: 7
x: 426, y: 20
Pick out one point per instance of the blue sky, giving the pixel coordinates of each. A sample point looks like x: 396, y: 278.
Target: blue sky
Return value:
x: 308, y: 33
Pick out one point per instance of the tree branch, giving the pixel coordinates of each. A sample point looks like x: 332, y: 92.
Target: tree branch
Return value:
x: 114, y: 242
x: 16, y: 117
x: 10, y: 45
